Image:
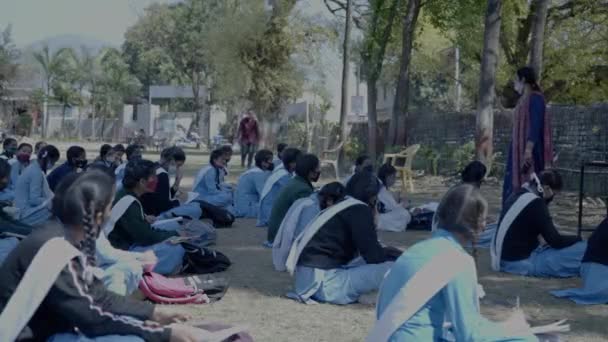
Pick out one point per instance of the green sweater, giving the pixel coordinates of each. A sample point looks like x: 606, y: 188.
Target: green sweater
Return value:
x: 295, y: 189
x: 132, y: 229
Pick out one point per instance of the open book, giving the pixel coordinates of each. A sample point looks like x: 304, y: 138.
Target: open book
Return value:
x: 159, y: 223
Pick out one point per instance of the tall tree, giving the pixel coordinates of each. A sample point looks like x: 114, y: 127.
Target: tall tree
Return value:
x: 397, y: 129
x: 377, y: 36
x: 52, y: 65
x: 487, y: 82
x: 83, y: 66
x: 538, y: 36
x: 8, y: 59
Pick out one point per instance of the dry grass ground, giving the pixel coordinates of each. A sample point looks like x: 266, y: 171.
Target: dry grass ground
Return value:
x: 256, y: 296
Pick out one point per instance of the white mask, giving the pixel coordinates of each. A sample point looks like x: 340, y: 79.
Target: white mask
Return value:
x: 172, y: 169
x: 518, y: 86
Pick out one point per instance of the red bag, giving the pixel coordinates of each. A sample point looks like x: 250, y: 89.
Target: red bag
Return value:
x: 162, y: 290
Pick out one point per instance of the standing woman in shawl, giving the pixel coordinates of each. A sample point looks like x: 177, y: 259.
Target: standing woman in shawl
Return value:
x: 532, y: 144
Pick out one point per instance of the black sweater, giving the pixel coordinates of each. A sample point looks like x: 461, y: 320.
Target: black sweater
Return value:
x: 597, y: 245
x: 350, y: 233
x: 70, y: 304
x: 157, y: 202
x: 533, y: 221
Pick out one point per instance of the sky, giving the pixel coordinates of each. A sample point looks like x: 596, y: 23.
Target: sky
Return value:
x: 106, y: 20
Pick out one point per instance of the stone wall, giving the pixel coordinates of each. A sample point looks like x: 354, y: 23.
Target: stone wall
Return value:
x: 579, y: 133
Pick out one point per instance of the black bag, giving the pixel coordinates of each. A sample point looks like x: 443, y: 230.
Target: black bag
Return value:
x: 221, y: 218
x: 422, y: 221
x: 200, y: 260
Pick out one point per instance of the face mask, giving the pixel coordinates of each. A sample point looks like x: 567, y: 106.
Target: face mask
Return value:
x: 81, y: 164
x: 151, y: 185
x: 23, y: 158
x: 11, y: 150
x: 519, y: 87
x: 270, y: 167
x: 549, y: 200
x: 315, y: 176
x: 49, y: 165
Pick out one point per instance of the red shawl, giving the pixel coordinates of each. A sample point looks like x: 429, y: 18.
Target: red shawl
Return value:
x: 521, y: 127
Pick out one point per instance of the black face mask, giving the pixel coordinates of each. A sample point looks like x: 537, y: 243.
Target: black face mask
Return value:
x: 81, y: 164
x: 315, y: 177
x: 270, y: 167
x: 549, y: 200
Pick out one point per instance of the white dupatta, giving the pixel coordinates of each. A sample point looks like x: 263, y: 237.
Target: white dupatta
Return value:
x: 35, y: 284
x: 274, y: 177
x: 285, y: 235
x: 312, y: 228
x: 118, y: 210
x: 426, y: 283
x: 496, y: 246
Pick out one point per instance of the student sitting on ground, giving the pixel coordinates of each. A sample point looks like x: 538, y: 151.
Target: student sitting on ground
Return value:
x: 119, y: 152
x: 133, y: 231
x: 10, y: 148
x: 227, y: 153
x: 278, y: 159
x: 9, y: 227
x: 22, y: 161
x: 362, y: 163
x: 308, y: 171
x: 49, y: 291
x: 594, y: 270
x: 436, y: 281
x: 163, y: 202
x: 299, y: 215
x: 106, y: 158
x: 76, y: 162
x: 134, y: 152
x: 474, y: 173
x: 392, y: 215
x: 338, y: 258
x: 275, y: 183
x: 32, y: 192
x: 210, y: 185
x: 516, y: 247
x: 251, y: 184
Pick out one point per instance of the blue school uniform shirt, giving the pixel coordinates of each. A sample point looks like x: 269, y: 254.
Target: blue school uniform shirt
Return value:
x: 267, y: 202
x: 29, y: 190
x: 248, y: 191
x: 457, y: 301
x: 213, y: 190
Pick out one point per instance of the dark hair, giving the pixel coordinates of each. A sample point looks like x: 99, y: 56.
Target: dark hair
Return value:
x: 137, y: 170
x: 334, y: 191
x: 25, y: 145
x: 103, y: 151
x: 474, y: 173
x: 305, y: 164
x: 226, y: 149
x: 102, y: 168
x: 281, y: 147
x: 79, y: 198
x: 173, y: 153
x: 361, y: 159
x: 132, y: 149
x: 290, y: 155
x: 529, y: 75
x: 5, y: 169
x: 215, y: 154
x: 48, y: 152
x: 385, y: 171
x: 262, y: 156
x: 74, y: 152
x: 119, y: 148
x: 38, y: 144
x: 552, y: 179
x: 363, y: 186
x: 8, y: 141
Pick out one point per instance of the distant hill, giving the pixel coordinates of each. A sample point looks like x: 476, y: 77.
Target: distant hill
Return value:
x: 68, y: 40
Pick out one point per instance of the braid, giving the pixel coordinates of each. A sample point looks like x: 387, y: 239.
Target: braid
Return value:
x: 90, y: 236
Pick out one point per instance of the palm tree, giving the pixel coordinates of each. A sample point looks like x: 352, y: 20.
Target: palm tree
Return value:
x: 52, y: 65
x: 84, y: 67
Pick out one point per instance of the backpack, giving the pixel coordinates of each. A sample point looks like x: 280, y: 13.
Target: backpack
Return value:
x: 204, y: 234
x: 184, y: 290
x: 422, y: 221
x: 221, y: 217
x: 201, y: 260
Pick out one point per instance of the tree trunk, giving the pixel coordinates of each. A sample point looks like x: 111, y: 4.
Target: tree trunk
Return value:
x: 46, y: 115
x: 397, y: 132
x: 372, y: 124
x: 65, y: 107
x: 345, y: 73
x: 487, y: 81
x: 538, y: 36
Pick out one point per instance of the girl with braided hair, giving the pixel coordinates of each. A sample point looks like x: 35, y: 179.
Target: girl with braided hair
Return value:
x: 436, y: 279
x: 50, y: 291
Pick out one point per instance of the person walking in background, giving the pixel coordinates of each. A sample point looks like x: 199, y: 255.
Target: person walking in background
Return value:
x: 531, y: 148
x: 248, y: 135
